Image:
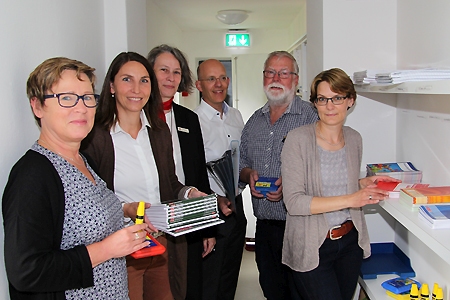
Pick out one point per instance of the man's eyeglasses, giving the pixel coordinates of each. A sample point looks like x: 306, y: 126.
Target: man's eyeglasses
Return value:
x: 282, y: 74
x: 337, y: 100
x: 68, y: 100
x: 213, y: 79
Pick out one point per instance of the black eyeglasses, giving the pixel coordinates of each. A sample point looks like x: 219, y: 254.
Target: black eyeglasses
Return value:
x: 337, y: 100
x: 282, y: 74
x: 68, y: 100
x: 213, y: 79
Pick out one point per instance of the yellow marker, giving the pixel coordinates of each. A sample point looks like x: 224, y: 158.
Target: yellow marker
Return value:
x: 414, y: 293
x: 435, y: 287
x: 439, y: 294
x: 140, y: 213
x: 424, y: 292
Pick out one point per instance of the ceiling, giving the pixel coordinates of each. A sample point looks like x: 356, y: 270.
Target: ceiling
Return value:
x: 201, y: 14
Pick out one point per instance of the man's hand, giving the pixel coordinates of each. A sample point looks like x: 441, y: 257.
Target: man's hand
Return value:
x: 208, y: 245
x: 224, y: 205
x: 278, y: 194
x: 251, y: 176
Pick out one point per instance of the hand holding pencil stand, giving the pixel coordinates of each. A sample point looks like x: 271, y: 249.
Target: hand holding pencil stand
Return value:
x: 154, y: 248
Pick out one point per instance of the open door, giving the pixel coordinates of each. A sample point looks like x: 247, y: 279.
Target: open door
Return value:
x: 248, y: 83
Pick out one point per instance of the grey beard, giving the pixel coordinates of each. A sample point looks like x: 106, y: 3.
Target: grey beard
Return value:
x: 275, y: 101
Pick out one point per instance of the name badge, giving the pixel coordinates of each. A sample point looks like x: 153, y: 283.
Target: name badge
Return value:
x: 183, y: 129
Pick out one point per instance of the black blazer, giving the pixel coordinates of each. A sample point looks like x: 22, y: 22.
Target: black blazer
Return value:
x: 192, y: 155
x: 192, y: 149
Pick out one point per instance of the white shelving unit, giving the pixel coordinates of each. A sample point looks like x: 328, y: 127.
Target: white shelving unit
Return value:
x: 401, y: 122
x: 437, y: 240
x: 373, y: 287
x: 415, y: 87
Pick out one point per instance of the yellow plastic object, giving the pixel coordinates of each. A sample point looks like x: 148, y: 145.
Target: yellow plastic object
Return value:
x: 414, y: 293
x: 404, y: 296
x: 439, y: 294
x: 424, y: 292
x: 140, y: 213
x: 435, y: 288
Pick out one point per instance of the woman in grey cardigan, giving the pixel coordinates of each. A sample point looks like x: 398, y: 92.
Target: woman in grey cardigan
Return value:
x: 326, y: 236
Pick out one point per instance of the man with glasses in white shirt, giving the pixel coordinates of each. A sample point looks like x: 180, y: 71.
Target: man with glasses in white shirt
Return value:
x: 261, y: 144
x: 220, y: 125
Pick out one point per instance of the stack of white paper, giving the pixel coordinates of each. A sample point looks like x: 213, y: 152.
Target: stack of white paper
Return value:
x: 366, y: 76
x: 401, y: 76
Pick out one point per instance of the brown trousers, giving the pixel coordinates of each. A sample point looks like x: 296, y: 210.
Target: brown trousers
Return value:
x: 148, y: 278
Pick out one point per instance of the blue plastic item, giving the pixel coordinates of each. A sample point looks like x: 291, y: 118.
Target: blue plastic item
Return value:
x: 386, y: 258
x: 399, y: 285
x: 265, y: 185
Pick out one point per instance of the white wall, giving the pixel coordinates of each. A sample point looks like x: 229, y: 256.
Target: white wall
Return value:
x: 161, y: 29
x: 115, y: 34
x: 354, y: 36
x: 423, y: 34
x: 137, y: 28
x: 298, y: 27
x: 423, y: 42
x: 125, y: 29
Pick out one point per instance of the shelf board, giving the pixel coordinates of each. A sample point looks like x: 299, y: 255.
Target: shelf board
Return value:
x: 413, y: 87
x: 436, y: 239
x: 373, y: 288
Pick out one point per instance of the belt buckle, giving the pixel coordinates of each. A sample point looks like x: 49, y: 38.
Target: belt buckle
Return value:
x: 331, y: 232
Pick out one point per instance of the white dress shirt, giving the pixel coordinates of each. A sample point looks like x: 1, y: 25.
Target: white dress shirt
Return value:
x: 170, y: 120
x: 135, y: 173
x: 218, y: 133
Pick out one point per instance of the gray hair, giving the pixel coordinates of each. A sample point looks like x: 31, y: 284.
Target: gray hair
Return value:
x: 281, y: 54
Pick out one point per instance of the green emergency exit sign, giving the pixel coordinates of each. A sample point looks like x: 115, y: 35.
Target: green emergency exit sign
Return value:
x: 237, y: 40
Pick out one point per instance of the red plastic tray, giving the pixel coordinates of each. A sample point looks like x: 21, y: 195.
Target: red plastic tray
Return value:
x: 155, y: 248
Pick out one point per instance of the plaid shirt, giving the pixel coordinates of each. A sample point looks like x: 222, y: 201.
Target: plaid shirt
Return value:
x: 261, y: 145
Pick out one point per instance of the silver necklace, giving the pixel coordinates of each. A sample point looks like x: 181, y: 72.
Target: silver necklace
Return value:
x: 62, y: 155
x: 331, y: 144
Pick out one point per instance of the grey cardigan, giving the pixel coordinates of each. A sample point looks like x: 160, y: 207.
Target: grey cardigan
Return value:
x: 300, y: 169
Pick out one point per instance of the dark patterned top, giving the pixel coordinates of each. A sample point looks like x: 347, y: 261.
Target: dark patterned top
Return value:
x: 92, y: 212
x: 261, y: 145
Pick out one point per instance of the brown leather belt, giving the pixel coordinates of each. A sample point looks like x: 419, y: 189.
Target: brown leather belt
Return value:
x: 339, y: 231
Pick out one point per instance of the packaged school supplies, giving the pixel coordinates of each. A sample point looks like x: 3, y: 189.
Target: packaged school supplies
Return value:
x: 399, y: 285
x: 265, y: 185
x: 435, y: 216
x: 428, y: 195
x: 405, y: 171
x: 394, y: 187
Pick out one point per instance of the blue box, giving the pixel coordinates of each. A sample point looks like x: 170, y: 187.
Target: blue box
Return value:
x: 399, y: 285
x: 386, y: 258
x: 265, y: 185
